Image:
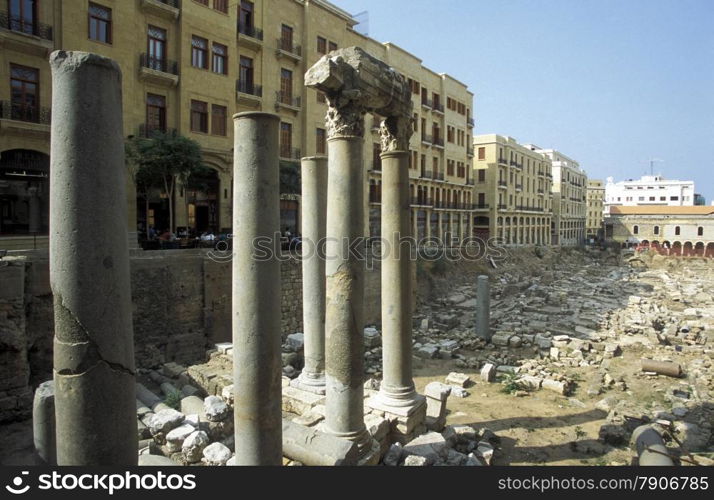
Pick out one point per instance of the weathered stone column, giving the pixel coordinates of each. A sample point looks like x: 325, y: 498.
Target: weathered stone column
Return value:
x: 94, y: 375
x: 483, y: 310
x: 256, y: 290
x: 314, y: 214
x: 354, y: 82
x: 397, y: 393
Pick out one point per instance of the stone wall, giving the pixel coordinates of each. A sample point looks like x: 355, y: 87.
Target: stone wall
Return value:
x: 181, y: 306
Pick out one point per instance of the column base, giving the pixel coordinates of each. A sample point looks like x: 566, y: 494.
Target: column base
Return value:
x: 312, y: 384
x: 398, y: 403
x: 372, y: 454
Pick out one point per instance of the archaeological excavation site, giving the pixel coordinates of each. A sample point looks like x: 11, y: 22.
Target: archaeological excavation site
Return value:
x: 343, y: 350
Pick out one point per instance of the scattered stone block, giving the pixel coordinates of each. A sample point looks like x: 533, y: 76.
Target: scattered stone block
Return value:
x: 393, y: 455
x: 415, y: 461
x: 296, y: 341
x: 432, y: 446
x: 194, y: 445
x: 216, y: 409
x: 458, y: 379
x: 488, y: 372
x: 372, y: 338
x: 560, y: 387
x: 175, y: 438
x: 216, y: 454
x: 165, y: 420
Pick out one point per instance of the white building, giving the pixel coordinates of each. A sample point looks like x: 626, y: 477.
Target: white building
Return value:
x: 649, y: 190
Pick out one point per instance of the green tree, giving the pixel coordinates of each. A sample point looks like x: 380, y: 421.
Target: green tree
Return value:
x: 162, y: 161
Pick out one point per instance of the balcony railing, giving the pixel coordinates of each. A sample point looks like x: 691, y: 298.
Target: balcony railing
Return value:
x: 503, y: 183
x: 439, y: 176
x: 502, y: 206
x: 513, y: 163
x: 470, y: 122
x: 24, y: 113
x: 519, y: 187
x: 469, y: 151
x: 478, y: 206
x: 426, y: 138
x: 250, y: 88
x: 250, y: 31
x: 290, y: 153
x: 427, y: 174
x: 503, y: 161
x: 289, y: 47
x: 438, y: 107
x: 470, y: 182
x: 438, y: 141
x: 415, y: 200
x: 163, y: 65
x: 35, y: 28
x: 146, y: 130
x: 427, y: 103
x: 375, y: 197
x: 287, y: 99
x: 540, y: 191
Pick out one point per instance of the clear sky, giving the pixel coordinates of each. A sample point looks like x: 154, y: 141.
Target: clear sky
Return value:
x: 611, y: 83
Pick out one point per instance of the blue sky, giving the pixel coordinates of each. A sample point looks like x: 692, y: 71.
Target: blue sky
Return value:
x: 611, y: 83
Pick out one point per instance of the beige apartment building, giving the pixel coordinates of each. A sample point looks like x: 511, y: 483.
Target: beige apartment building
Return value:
x: 595, y: 207
x: 513, y: 191
x: 569, y: 198
x: 189, y: 65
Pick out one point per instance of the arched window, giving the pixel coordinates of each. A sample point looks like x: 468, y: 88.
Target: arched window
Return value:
x: 635, y: 229
x: 676, y: 231
x: 656, y: 230
x: 700, y: 231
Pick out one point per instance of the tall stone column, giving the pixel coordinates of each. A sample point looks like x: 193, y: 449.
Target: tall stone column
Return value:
x: 94, y: 374
x: 314, y: 214
x: 256, y: 290
x: 396, y: 393
x: 483, y: 309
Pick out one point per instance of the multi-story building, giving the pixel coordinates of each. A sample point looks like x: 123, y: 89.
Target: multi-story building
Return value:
x: 513, y: 191
x: 648, y: 190
x: 189, y: 66
x: 595, y: 206
x: 674, y: 230
x: 699, y: 199
x: 569, y: 198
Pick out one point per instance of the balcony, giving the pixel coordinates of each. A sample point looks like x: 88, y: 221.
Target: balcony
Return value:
x: 168, y: 9
x: 288, y: 153
x: 288, y: 49
x: 438, y: 142
x: 519, y: 187
x: 540, y: 191
x: 513, y: 163
x: 502, y: 206
x: 470, y: 122
x: 438, y: 176
x: 248, y: 93
x: 426, y: 139
x: 438, y: 108
x: 146, y: 130
x: 427, y: 103
x: 426, y: 174
x: 24, y: 120
x: 470, y: 182
x: 502, y: 184
x: 158, y: 71
x: 502, y: 161
x: 33, y: 38
x: 470, y: 151
x: 250, y: 36
x: 287, y: 101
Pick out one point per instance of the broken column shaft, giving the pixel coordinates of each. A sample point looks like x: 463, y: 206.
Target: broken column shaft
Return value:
x: 94, y: 373
x: 314, y: 214
x: 256, y: 290
x: 483, y: 309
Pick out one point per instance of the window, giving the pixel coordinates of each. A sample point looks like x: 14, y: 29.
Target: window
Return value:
x: 332, y: 46
x: 321, y: 45
x: 700, y: 231
x: 245, y: 18
x: 676, y: 230
x: 100, y: 23
x: 286, y: 38
x: 481, y: 153
x: 286, y: 86
x: 635, y: 229
x: 286, y: 138
x: 245, y: 76
x: 156, y: 48
x: 320, y: 141
x: 220, y: 59
x: 199, y: 52
x: 24, y: 93
x: 674, y: 198
x: 482, y: 175
x: 155, y: 113
x: 218, y: 120
x: 199, y: 116
x: 221, y: 6
x: 23, y: 16
x: 656, y: 230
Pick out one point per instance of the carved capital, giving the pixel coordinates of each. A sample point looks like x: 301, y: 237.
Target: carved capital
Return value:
x: 395, y: 133
x: 344, y: 121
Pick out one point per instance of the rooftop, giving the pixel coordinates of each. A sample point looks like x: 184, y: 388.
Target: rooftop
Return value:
x: 661, y: 210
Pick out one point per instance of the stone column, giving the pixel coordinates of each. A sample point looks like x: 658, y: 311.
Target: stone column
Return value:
x: 396, y: 393
x: 256, y: 290
x: 95, y: 400
x: 483, y: 312
x: 314, y: 214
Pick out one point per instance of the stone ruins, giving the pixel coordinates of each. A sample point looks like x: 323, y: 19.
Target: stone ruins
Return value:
x: 483, y: 356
